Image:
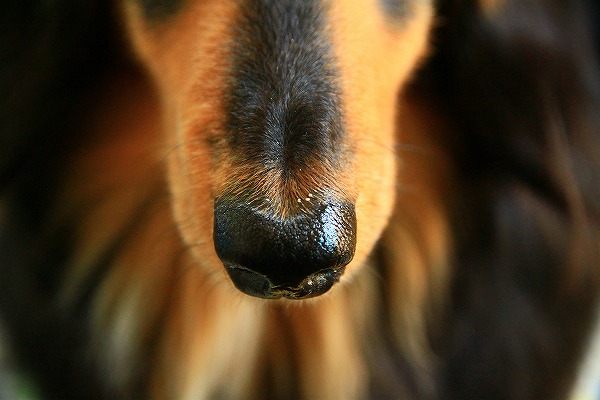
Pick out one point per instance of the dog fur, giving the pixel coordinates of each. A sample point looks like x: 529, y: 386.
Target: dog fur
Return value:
x: 465, y: 132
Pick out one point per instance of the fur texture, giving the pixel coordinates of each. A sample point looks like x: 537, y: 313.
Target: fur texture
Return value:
x: 465, y: 133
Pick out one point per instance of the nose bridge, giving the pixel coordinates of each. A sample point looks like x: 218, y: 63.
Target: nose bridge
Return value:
x: 283, y: 107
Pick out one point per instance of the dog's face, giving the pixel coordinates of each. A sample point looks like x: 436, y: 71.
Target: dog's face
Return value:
x: 281, y: 120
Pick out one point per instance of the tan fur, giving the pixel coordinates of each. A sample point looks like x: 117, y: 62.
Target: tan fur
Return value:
x: 419, y: 265
x: 372, y: 71
x: 187, y: 61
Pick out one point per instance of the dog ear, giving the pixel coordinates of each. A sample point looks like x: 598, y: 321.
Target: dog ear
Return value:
x: 519, y: 79
x: 522, y: 84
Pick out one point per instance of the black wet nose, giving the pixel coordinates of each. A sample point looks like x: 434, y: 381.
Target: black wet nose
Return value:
x: 296, y: 257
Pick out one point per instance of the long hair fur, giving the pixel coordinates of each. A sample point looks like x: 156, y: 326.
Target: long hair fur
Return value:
x: 482, y: 285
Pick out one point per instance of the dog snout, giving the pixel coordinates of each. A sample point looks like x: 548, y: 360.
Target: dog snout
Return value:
x: 295, y: 257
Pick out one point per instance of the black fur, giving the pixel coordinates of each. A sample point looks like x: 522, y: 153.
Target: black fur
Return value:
x: 52, y: 54
x: 283, y: 108
x: 522, y: 89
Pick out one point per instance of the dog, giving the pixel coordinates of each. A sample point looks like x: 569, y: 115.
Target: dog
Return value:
x: 312, y: 199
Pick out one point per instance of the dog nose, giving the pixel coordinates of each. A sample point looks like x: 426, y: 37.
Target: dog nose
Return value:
x: 295, y: 257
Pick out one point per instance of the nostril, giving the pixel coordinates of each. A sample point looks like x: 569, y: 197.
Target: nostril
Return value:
x: 258, y: 285
x: 315, y: 284
x: 262, y: 252
x: 250, y: 282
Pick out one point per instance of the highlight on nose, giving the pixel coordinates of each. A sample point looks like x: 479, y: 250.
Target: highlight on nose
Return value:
x: 296, y: 257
